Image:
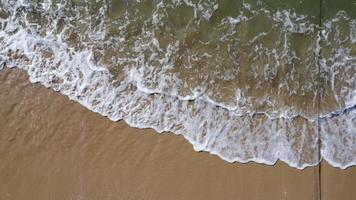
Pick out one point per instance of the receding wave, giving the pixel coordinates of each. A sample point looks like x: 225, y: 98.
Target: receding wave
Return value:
x: 248, y: 81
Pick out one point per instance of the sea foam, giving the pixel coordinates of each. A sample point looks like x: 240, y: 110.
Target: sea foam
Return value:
x: 139, y: 85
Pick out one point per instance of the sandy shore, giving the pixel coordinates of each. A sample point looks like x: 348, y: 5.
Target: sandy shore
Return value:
x: 53, y: 148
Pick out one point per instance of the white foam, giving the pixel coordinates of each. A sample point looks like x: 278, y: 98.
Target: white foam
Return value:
x: 205, y: 123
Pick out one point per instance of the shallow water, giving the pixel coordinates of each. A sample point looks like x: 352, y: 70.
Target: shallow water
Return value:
x: 248, y: 81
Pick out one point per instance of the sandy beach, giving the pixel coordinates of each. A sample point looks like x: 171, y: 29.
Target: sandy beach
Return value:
x: 183, y: 99
x: 54, y: 148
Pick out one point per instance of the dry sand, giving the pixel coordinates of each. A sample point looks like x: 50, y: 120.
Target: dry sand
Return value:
x: 53, y: 148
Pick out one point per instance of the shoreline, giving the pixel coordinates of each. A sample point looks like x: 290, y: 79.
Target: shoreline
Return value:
x: 55, y: 148
x: 53, y: 142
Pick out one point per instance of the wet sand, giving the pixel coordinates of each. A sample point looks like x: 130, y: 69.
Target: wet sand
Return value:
x: 54, y: 148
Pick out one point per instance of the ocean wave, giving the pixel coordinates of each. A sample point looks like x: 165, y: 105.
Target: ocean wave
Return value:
x: 285, y: 90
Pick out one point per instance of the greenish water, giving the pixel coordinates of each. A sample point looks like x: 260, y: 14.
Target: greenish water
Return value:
x: 247, y: 80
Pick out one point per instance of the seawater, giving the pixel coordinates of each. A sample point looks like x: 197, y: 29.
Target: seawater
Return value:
x: 245, y: 80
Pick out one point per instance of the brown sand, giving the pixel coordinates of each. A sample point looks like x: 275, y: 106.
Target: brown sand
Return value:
x: 337, y: 184
x: 53, y: 148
